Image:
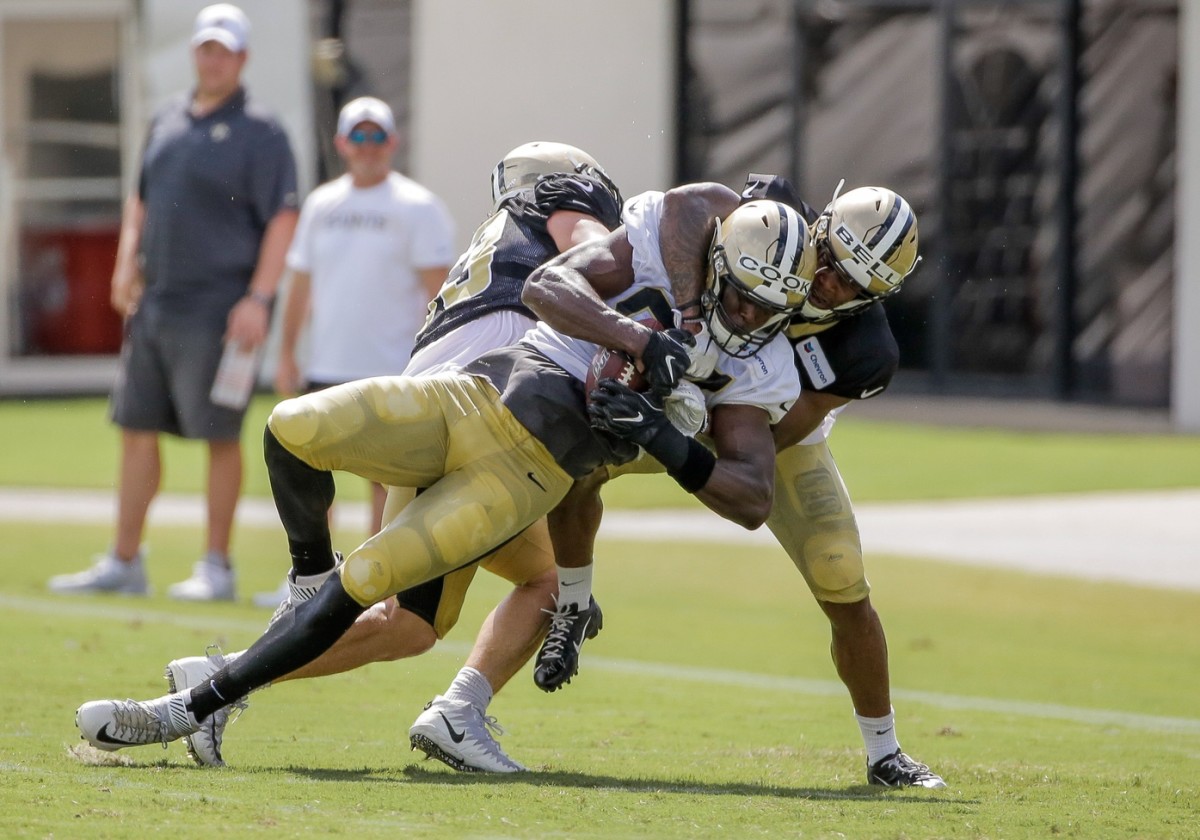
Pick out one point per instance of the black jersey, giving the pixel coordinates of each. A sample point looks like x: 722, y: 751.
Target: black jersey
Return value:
x: 507, y: 247
x: 855, y: 357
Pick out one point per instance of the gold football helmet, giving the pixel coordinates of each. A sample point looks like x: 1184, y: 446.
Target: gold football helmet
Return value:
x: 764, y: 250
x: 522, y: 167
x: 869, y: 237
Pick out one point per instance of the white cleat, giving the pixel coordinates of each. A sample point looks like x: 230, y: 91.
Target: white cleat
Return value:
x: 111, y: 725
x: 203, y: 745
x: 106, y: 574
x: 456, y: 733
x: 210, y: 581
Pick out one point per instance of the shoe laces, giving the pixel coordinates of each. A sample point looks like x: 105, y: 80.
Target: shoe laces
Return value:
x: 562, y: 619
x: 904, y: 762
x: 491, y: 723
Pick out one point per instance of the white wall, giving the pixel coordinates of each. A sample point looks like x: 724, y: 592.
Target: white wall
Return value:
x: 277, y: 72
x: 598, y: 74
x: 1185, y: 374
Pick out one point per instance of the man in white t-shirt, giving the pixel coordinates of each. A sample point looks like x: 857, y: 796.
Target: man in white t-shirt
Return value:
x: 371, y: 249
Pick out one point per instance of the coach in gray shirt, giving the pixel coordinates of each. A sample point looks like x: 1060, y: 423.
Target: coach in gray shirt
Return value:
x: 202, y: 248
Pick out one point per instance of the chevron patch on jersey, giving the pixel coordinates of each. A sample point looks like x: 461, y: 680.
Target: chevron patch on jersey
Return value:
x: 820, y: 373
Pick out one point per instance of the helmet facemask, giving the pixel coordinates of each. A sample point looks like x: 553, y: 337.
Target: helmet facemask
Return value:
x: 762, y: 252
x: 868, y: 237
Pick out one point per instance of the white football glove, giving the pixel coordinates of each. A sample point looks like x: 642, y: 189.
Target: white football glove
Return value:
x: 703, y: 354
x: 686, y: 409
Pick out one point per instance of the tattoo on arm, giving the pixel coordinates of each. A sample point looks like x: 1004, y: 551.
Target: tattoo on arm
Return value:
x: 685, y: 232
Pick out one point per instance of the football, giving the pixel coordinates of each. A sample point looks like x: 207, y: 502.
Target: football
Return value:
x: 613, y: 364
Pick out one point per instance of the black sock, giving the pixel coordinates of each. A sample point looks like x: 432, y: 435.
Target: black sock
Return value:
x: 295, y: 640
x: 303, y: 496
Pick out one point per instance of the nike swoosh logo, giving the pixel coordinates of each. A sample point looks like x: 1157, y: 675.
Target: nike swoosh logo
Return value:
x: 884, y: 731
x: 870, y: 392
x: 103, y: 737
x: 455, y: 735
x: 533, y: 478
x: 637, y: 418
x: 585, y: 186
x: 582, y: 635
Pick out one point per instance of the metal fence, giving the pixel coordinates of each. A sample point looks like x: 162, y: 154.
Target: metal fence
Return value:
x: 1035, y: 138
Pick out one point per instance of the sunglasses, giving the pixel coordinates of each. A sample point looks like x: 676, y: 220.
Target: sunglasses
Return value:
x: 358, y: 137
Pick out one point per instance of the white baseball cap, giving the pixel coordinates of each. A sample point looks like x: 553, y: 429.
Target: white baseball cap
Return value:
x: 224, y: 23
x: 365, y: 109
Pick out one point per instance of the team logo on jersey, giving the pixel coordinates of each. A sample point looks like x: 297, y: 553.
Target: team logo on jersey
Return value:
x: 820, y: 373
x: 219, y: 132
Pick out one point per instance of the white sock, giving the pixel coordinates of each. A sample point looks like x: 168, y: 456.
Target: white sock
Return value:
x: 879, y: 734
x: 472, y: 686
x: 317, y: 580
x: 575, y: 586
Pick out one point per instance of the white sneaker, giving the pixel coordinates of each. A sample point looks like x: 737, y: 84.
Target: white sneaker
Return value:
x: 210, y: 581
x: 112, y: 724
x: 271, y: 600
x: 298, y: 593
x: 456, y: 733
x: 204, y: 745
x: 106, y: 574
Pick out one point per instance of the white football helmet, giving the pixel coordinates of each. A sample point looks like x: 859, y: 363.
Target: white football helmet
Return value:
x: 869, y: 237
x: 521, y: 168
x: 764, y: 250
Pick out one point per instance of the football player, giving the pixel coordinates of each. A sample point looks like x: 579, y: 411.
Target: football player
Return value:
x: 497, y: 445
x: 546, y: 198
x: 867, y: 245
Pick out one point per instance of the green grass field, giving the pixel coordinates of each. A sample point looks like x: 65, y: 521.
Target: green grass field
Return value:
x: 707, y: 708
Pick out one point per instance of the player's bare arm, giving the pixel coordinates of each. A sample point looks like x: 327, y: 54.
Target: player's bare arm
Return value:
x: 688, y: 223
x: 804, y: 417
x: 568, y: 294
x: 742, y: 484
x: 569, y: 228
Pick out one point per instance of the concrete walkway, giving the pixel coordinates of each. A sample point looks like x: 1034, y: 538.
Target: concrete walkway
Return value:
x: 1145, y: 538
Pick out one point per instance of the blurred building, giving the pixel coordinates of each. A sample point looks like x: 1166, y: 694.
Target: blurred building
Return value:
x: 1037, y: 139
x: 78, y: 82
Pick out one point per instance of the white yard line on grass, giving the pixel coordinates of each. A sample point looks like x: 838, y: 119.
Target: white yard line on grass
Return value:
x: 1147, y: 538
x: 125, y: 611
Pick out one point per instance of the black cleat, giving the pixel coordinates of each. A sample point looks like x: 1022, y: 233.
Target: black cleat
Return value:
x: 558, y: 660
x: 898, y: 770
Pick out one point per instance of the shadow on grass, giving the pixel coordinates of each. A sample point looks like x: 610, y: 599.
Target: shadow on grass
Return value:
x: 418, y: 774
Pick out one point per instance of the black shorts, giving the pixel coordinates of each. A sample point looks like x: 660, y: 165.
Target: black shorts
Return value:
x: 167, y: 370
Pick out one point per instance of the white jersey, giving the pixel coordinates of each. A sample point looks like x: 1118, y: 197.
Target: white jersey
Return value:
x: 767, y: 379
x: 363, y: 248
x: 466, y: 343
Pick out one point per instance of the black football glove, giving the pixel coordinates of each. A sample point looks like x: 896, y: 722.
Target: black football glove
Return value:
x: 665, y: 359
x: 624, y: 413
